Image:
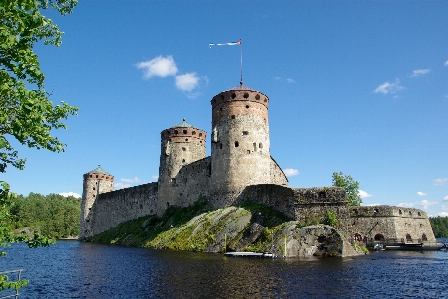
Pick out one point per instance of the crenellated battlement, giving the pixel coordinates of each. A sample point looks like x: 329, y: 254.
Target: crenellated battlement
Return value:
x: 240, y: 93
x: 183, y: 134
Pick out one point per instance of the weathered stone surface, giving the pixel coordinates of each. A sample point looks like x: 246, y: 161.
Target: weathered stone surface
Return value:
x: 250, y: 236
x: 387, y: 222
x: 323, y: 240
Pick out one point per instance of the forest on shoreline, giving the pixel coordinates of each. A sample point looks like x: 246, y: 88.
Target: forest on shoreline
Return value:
x: 52, y: 215
x: 439, y: 226
x: 58, y: 216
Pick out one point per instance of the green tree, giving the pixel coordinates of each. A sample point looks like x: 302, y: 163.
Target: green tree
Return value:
x: 26, y: 112
x: 351, y: 188
x: 439, y: 226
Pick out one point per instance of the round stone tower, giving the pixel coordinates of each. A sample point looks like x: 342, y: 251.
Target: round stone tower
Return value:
x: 95, y: 182
x: 181, y: 144
x: 240, y: 151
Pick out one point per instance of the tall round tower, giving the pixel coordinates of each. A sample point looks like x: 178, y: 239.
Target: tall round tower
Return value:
x: 95, y: 182
x: 240, y: 142
x: 181, y: 144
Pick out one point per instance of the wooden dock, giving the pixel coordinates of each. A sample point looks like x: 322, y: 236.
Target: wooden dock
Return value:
x: 249, y: 254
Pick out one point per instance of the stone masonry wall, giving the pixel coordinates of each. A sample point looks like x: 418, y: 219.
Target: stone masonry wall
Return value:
x: 280, y: 198
x: 113, y: 208
x: 193, y: 181
x: 313, y: 203
x: 389, y: 222
x: 278, y: 177
x: 300, y: 204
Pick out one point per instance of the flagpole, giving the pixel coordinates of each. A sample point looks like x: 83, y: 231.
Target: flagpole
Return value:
x: 241, y: 64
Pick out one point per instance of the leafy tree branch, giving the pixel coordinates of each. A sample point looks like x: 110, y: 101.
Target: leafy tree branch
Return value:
x: 351, y: 188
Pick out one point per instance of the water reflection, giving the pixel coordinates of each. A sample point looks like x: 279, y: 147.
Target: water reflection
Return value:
x: 82, y: 270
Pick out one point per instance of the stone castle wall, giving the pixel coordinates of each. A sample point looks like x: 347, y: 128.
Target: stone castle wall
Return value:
x: 312, y: 205
x: 115, y: 207
x: 389, y: 222
x: 278, y: 177
x: 301, y: 204
x: 193, y: 181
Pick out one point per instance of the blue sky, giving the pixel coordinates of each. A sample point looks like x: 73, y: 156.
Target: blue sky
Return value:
x: 354, y: 86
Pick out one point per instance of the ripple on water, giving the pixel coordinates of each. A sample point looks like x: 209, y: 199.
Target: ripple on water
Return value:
x: 70, y: 269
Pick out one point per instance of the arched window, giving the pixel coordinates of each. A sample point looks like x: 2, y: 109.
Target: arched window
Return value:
x: 379, y: 237
x: 424, y: 237
x: 237, y: 144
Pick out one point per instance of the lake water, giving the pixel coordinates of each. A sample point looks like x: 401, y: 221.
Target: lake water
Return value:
x: 70, y: 269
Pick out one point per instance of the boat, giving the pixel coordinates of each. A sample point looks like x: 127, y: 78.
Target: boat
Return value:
x: 378, y: 247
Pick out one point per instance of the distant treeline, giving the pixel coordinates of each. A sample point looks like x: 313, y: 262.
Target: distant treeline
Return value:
x: 52, y: 215
x: 439, y: 226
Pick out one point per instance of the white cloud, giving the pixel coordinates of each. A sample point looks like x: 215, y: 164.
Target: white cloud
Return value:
x: 187, y: 82
x: 440, y: 181
x: 290, y: 172
x: 446, y: 63
x: 371, y: 204
x: 364, y: 194
x: 445, y: 198
x: 126, y: 183
x: 155, y: 177
x: 67, y: 194
x: 443, y: 214
x: 388, y: 87
x: 119, y: 185
x: 289, y: 80
x: 423, y: 203
x: 159, y: 67
x: 419, y: 193
x: 134, y: 180
x: 420, y: 72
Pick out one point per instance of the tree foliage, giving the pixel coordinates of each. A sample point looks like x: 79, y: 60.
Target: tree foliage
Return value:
x: 52, y: 215
x: 351, y: 188
x: 26, y: 112
x: 439, y: 226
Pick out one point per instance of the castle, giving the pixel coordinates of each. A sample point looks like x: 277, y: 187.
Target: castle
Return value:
x: 240, y: 169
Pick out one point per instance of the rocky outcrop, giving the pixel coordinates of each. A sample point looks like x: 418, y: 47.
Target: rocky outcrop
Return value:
x: 323, y: 240
x: 236, y: 229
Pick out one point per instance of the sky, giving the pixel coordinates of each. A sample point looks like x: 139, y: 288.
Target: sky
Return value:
x: 358, y: 87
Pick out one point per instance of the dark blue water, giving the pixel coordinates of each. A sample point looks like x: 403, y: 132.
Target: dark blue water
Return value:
x: 70, y: 269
